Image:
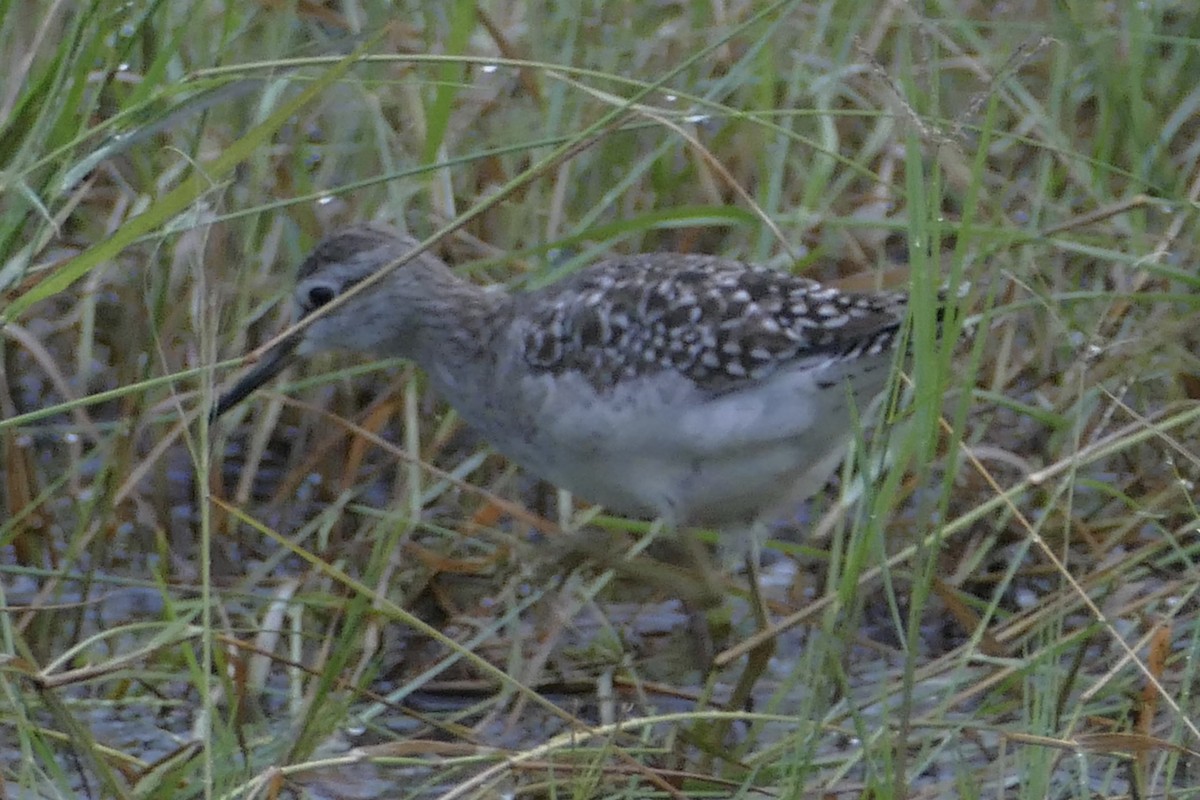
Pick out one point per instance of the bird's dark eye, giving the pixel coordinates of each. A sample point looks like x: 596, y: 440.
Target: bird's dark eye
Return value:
x: 320, y: 295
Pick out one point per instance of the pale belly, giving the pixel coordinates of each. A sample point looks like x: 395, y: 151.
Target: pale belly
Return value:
x: 658, y: 450
x: 732, y: 491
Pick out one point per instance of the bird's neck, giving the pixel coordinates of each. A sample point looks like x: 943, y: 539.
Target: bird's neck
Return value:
x: 459, y: 328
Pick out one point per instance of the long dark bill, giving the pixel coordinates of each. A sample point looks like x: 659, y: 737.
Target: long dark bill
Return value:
x: 271, y: 365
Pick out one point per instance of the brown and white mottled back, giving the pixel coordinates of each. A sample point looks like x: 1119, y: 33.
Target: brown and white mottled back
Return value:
x: 721, y: 323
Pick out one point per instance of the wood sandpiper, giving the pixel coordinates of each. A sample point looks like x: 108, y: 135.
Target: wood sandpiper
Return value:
x: 700, y: 390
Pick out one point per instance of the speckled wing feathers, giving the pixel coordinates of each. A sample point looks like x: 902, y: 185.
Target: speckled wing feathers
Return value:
x: 719, y: 322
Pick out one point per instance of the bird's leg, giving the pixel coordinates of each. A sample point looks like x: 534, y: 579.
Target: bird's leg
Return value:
x: 712, y: 738
x: 760, y: 657
x: 705, y: 605
x: 711, y: 591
